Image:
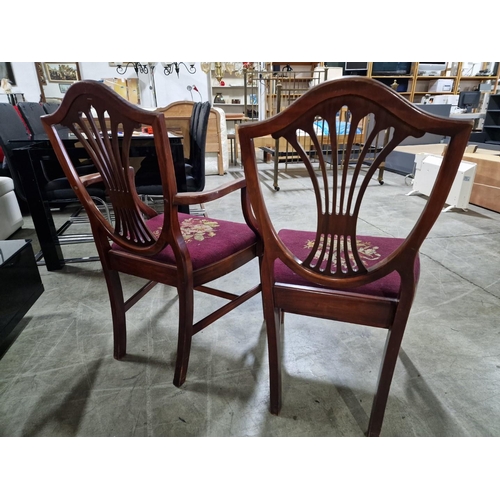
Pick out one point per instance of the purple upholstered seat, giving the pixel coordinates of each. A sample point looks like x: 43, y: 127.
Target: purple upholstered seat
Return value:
x: 208, y: 240
x: 371, y: 249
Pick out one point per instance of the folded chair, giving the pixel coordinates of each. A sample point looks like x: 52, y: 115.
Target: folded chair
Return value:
x: 331, y: 271
x: 172, y: 248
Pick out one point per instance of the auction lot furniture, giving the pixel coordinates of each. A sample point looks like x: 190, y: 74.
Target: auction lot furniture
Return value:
x: 175, y: 249
x: 331, y: 271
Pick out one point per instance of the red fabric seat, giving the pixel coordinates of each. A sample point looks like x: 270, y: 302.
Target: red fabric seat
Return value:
x: 372, y: 249
x: 209, y: 240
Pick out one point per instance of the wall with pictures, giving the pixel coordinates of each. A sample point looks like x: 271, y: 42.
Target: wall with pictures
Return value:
x: 168, y: 88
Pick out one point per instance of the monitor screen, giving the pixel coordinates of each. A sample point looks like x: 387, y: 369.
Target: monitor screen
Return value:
x: 356, y: 66
x: 468, y: 100
x: 391, y: 68
x: 431, y: 67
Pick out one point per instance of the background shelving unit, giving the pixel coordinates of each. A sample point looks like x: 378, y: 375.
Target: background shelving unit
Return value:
x: 463, y: 76
x: 239, y: 93
x: 279, y: 84
x: 491, y: 127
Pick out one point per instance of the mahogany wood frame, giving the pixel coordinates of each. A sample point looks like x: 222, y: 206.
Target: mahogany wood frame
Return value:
x: 332, y: 292
x: 104, y: 123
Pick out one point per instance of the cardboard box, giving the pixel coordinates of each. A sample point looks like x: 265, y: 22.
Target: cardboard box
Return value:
x: 441, y: 85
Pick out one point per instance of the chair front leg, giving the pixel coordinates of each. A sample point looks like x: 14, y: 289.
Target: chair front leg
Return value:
x: 274, y: 352
x: 272, y: 318
x: 117, y: 303
x: 185, y: 334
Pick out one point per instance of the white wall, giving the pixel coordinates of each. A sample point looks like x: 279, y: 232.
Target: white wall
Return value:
x: 26, y: 82
x: 168, y: 88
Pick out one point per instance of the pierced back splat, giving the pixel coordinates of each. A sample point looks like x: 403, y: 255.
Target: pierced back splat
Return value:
x: 339, y: 196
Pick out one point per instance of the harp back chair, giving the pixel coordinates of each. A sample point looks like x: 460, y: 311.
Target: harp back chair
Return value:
x: 329, y: 270
x: 172, y: 248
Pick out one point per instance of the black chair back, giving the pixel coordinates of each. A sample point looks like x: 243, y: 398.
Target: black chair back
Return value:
x: 32, y: 113
x: 11, y: 126
x: 12, y: 134
x: 50, y: 107
x: 198, y: 138
x: 52, y: 183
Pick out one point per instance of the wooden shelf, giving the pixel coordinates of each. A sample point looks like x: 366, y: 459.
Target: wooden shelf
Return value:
x: 225, y: 87
x: 390, y: 77
x: 418, y: 83
x: 425, y: 77
x: 477, y: 77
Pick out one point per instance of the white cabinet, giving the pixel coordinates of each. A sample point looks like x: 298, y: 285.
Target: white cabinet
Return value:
x: 426, y: 170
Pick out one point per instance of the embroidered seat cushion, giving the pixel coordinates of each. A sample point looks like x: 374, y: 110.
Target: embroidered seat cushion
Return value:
x: 208, y: 240
x: 371, y: 250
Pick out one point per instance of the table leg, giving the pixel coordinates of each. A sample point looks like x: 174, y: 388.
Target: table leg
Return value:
x: 26, y: 162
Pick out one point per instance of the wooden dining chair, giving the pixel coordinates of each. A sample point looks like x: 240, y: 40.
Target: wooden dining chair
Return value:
x: 331, y: 271
x: 173, y: 248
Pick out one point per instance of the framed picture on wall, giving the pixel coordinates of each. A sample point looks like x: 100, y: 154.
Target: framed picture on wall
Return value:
x: 63, y: 87
x: 6, y: 72
x: 58, y: 72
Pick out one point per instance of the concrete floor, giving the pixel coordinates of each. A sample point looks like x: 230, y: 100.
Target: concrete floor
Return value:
x: 60, y: 379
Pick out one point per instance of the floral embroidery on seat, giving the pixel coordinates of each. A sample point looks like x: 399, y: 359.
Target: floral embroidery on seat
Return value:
x: 195, y: 229
x: 367, y: 252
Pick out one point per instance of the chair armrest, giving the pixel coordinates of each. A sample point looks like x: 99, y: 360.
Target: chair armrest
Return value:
x: 89, y: 179
x: 206, y: 196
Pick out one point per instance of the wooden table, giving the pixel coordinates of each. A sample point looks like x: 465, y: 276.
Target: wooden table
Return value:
x: 233, y: 138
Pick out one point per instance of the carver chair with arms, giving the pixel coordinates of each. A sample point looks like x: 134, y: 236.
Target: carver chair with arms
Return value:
x: 331, y: 269
x: 172, y: 248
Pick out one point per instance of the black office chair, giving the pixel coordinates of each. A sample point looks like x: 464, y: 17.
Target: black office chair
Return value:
x: 31, y: 112
x: 12, y: 128
x: 195, y: 164
x: 54, y: 186
x: 50, y: 107
x: 147, y: 179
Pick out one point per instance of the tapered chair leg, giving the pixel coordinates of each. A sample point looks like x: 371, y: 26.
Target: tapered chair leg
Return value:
x: 115, y: 293
x: 273, y: 324
x: 389, y: 359
x: 185, y: 335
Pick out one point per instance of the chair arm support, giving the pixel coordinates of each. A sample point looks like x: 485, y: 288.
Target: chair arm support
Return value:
x: 89, y: 179
x: 206, y: 196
